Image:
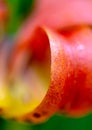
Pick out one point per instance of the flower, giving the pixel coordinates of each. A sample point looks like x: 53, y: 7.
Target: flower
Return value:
x: 50, y: 67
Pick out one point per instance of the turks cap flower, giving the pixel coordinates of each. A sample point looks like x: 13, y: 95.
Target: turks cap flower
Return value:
x: 49, y: 69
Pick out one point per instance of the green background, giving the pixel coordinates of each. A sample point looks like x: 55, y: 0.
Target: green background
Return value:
x: 19, y: 10
x: 54, y: 123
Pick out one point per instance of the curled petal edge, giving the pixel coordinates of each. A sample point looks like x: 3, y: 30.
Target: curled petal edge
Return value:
x: 70, y: 72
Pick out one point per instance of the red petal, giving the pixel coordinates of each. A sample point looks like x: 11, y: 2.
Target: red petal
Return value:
x: 71, y: 73
x: 78, y: 87
x: 58, y: 70
x: 71, y: 56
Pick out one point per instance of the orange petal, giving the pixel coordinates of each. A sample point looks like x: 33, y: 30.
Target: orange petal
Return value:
x: 71, y: 72
x: 43, y: 38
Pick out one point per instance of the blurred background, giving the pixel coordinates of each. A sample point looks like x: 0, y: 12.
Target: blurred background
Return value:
x: 18, y: 12
x: 54, y: 123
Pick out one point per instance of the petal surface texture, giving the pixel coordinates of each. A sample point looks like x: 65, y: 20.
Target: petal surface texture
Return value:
x: 71, y: 72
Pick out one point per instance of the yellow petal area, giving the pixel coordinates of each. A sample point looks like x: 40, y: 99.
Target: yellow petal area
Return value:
x: 15, y: 106
x: 19, y: 97
x: 25, y: 79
